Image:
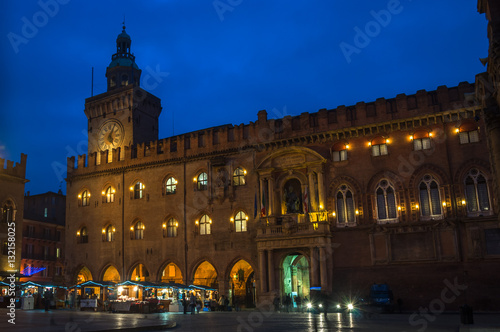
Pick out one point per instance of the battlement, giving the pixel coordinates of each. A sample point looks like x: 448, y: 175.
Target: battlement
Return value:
x: 227, y: 138
x: 18, y: 169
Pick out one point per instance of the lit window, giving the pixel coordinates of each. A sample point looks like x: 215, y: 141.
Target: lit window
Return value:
x: 45, y: 210
x: 345, y: 206
x: 85, y: 198
x: 138, y: 190
x: 202, y: 181
x: 240, y: 222
x: 476, y: 192
x: 421, y: 143
x: 170, y: 186
x: 339, y: 152
x: 379, y: 149
x: 139, y: 230
x: 239, y: 177
x: 109, y: 233
x: 430, y: 200
x: 109, y: 195
x: 471, y: 136
x: 386, y: 202
x: 58, y: 252
x: 172, y: 225
x: 205, y: 225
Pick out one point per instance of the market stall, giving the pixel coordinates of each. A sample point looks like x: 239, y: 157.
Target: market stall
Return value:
x: 34, y: 294
x: 92, y: 295
x: 208, y: 296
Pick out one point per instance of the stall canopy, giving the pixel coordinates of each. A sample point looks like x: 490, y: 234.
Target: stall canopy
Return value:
x: 202, y: 287
x: 172, y: 285
x: 43, y: 284
x: 91, y: 283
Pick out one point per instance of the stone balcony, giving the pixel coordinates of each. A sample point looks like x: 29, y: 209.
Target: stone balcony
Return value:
x: 293, y: 225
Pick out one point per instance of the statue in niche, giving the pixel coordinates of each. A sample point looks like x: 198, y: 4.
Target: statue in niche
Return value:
x: 292, y: 197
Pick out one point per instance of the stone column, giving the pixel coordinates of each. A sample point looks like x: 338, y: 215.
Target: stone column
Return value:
x: 270, y: 186
x: 323, y: 271
x: 262, y: 272
x: 314, y: 268
x: 312, y: 195
x: 270, y: 270
x: 321, y: 190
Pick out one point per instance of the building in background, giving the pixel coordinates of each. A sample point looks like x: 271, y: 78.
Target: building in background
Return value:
x: 12, y: 181
x: 396, y: 191
x: 43, y: 237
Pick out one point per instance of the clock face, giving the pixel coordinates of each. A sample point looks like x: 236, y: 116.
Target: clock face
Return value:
x: 111, y: 135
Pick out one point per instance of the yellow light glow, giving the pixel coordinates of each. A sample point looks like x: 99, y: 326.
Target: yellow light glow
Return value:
x: 357, y: 212
x: 369, y: 143
x: 333, y: 214
x: 143, y: 187
x: 457, y: 130
x: 194, y: 179
x: 463, y: 201
x: 430, y: 134
x: 132, y: 188
x: 114, y: 230
x: 78, y: 233
x: 245, y: 172
x: 164, y: 225
x: 196, y: 222
x: 232, y: 219
x: 387, y: 140
x: 103, y: 231
x: 399, y: 208
x: 210, y: 221
x: 347, y: 146
x: 444, y: 204
x: 411, y: 137
x: 79, y: 196
x: 120, y: 289
x: 135, y: 288
x: 416, y: 206
x: 246, y: 218
x: 176, y: 224
x: 103, y: 193
x: 131, y: 228
x: 112, y: 191
x: 321, y: 206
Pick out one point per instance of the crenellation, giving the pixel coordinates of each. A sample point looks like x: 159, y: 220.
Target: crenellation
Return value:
x: 422, y: 101
x: 82, y: 161
x: 361, y: 111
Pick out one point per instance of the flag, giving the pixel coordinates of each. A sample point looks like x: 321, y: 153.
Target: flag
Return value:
x: 255, y: 207
x: 306, y: 201
x: 263, y: 204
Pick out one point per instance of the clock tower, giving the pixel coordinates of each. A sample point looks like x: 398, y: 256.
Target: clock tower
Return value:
x: 125, y: 114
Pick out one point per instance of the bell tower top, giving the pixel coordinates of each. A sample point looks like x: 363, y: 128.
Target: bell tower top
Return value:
x: 123, y: 70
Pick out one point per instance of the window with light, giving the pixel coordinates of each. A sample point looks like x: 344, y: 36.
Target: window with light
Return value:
x: 138, y: 190
x: 138, y: 230
x: 85, y: 198
x: 202, y: 181
x: 172, y: 226
x: 8, y: 212
x: 379, y: 150
x: 240, y: 221
x: 110, y: 233
x: 83, y: 236
x: 109, y: 195
x: 470, y: 136
x: 205, y: 225
x: 170, y: 186
x: 239, y: 177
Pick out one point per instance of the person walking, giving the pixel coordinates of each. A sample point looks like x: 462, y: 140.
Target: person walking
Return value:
x: 184, y: 303
x: 192, y: 303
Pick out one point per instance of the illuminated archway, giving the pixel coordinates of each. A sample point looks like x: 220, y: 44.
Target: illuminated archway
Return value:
x: 111, y: 274
x: 139, y: 273
x: 206, y: 275
x: 295, y: 276
x: 83, y: 275
x: 171, y: 273
x: 242, y: 283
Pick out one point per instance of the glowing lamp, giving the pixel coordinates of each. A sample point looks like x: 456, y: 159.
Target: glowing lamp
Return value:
x: 399, y: 208
x: 78, y: 233
x: 135, y: 288
x: 347, y: 146
x: 194, y: 179
x: 411, y: 137
x: 210, y: 221
x: 369, y: 143
x: 112, y: 191
x: 232, y: 219
x: 120, y: 289
x: 164, y: 225
x: 416, y: 206
x: 131, y: 228
x: 357, y: 212
x: 245, y: 172
x: 321, y: 206
x: 387, y: 140
x: 103, y: 231
x: 79, y: 196
x: 430, y: 134
x: 457, y: 130
x: 463, y: 201
x: 246, y: 218
x: 333, y: 214
x: 444, y: 204
x: 114, y: 230
x: 176, y: 224
x: 132, y: 188
x: 196, y: 222
x: 103, y: 193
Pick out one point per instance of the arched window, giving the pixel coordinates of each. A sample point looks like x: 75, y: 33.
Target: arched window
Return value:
x: 386, y: 201
x: 82, y: 235
x: 138, y: 231
x: 421, y: 140
x: 171, y: 227
x: 239, y: 177
x: 170, y: 186
x: 345, y: 205
x: 109, y: 195
x: 205, y: 225
x: 240, y: 221
x: 379, y: 146
x: 430, y: 201
x: 139, y: 190
x: 476, y: 193
x: 202, y: 181
x: 85, y: 198
x: 8, y: 212
x: 109, y: 233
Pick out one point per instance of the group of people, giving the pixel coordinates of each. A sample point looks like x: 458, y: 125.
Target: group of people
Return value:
x: 287, y: 302
x: 192, y: 302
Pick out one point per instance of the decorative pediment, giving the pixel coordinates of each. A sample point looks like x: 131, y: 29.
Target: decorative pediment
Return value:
x: 290, y: 158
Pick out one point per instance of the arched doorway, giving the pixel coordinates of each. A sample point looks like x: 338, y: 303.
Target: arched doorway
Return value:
x: 111, y: 274
x: 295, y: 277
x: 206, y: 275
x: 83, y: 275
x: 242, y: 281
x: 139, y: 273
x: 171, y: 273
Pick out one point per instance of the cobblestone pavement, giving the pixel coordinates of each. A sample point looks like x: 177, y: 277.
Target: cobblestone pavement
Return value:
x: 244, y: 321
